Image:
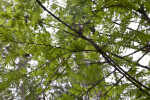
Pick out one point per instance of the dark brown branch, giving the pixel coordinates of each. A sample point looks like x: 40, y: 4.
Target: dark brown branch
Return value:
x: 108, y: 91
x: 126, y: 74
x: 45, y: 64
x: 91, y: 63
x: 111, y: 62
x: 142, y: 56
x: 123, y: 58
x: 19, y: 42
x: 118, y: 83
x: 49, y: 45
x: 54, y: 16
x: 107, y: 58
x: 54, y: 74
x: 95, y: 85
x: 143, y: 12
x: 126, y: 26
x: 105, y: 6
x: 136, y: 51
x: 71, y: 33
x: 114, y: 85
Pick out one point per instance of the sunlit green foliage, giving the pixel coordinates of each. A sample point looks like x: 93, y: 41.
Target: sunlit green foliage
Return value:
x: 74, y: 49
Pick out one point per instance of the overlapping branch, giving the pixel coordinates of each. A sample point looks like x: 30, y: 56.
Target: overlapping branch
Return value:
x: 94, y: 85
x: 104, y: 54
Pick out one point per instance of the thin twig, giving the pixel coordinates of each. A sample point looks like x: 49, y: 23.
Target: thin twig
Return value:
x: 95, y: 85
x: 136, y: 51
x: 123, y: 58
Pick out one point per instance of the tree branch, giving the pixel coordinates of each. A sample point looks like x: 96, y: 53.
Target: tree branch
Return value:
x: 142, y: 56
x: 106, y: 57
x: 126, y: 74
x: 143, y: 12
x: 129, y: 60
x: 95, y: 85
x: 136, y: 51
x: 57, y: 18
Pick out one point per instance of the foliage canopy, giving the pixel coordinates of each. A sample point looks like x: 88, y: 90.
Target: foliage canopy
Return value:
x: 74, y: 49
